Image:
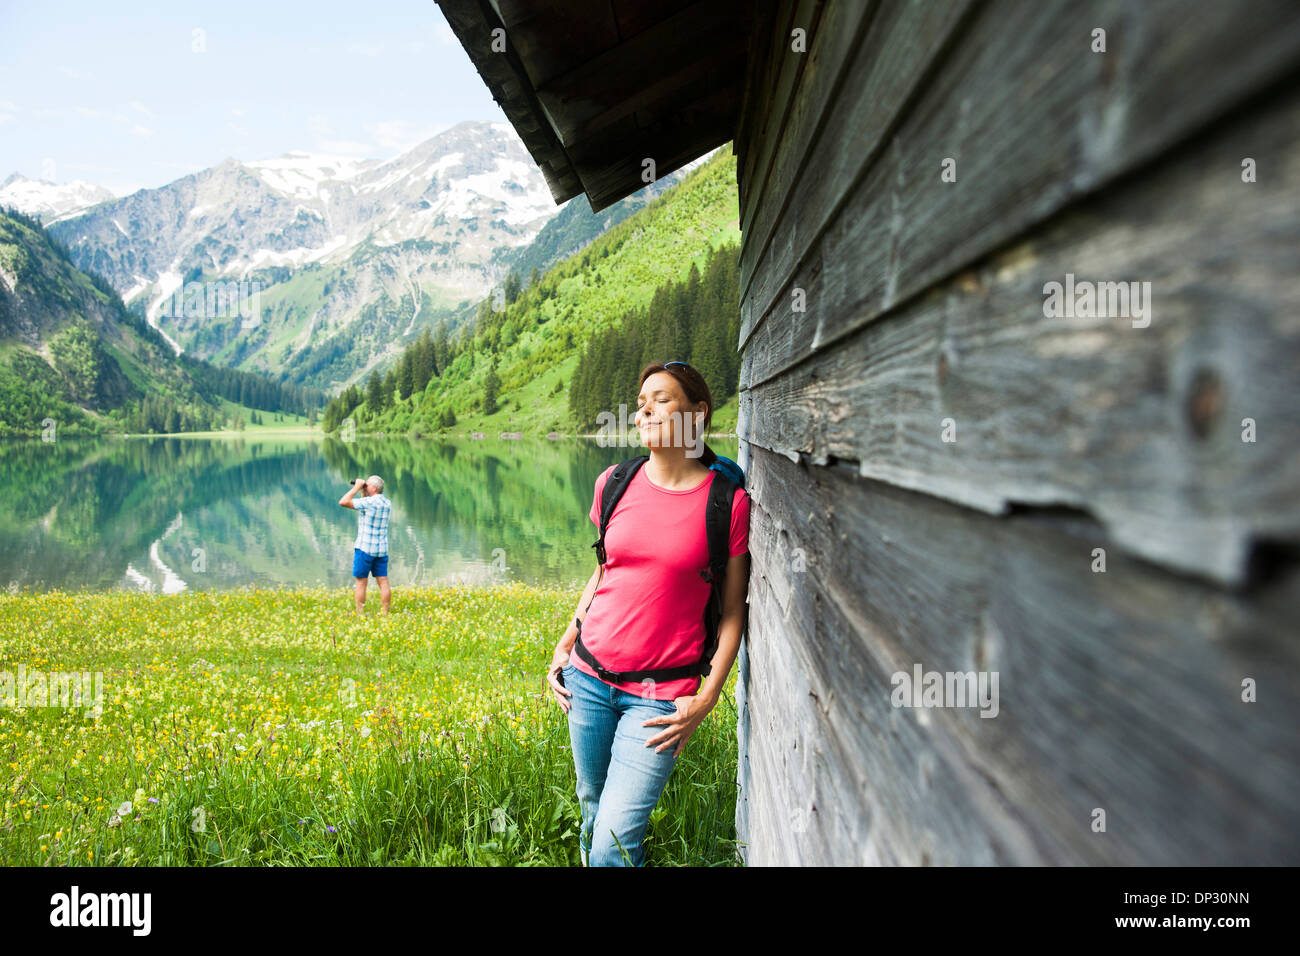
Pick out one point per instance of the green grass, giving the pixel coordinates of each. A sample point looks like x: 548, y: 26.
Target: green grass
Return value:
x: 271, y: 727
x: 287, y: 420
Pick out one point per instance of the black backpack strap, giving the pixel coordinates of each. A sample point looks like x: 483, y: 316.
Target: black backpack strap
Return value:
x: 615, y: 485
x: 610, y: 494
x: 717, y: 528
x: 633, y: 677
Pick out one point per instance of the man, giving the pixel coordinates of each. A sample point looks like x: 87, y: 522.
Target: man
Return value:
x: 370, y: 554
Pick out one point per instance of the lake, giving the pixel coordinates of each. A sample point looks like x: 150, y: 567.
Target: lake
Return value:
x: 171, y: 514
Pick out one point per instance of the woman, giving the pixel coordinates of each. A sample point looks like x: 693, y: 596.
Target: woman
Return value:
x: 647, y: 613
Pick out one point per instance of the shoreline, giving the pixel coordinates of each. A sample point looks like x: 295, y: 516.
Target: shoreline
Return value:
x: 317, y: 433
x: 303, y: 431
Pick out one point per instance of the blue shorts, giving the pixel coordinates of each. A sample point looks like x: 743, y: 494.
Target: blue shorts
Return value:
x: 364, y: 564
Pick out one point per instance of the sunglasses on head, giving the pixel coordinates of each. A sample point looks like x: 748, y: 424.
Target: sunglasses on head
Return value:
x: 682, y: 364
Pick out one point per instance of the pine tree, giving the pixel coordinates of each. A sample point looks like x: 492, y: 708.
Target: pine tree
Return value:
x: 491, y: 384
x: 422, y: 365
x: 406, y: 374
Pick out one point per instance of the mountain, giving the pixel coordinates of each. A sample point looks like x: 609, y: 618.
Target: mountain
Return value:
x: 575, y: 226
x: 74, y: 360
x: 70, y: 354
x: 49, y: 202
x: 347, y: 256
x: 512, y: 367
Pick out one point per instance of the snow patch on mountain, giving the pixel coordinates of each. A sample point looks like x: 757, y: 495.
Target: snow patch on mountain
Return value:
x: 50, y: 202
x: 302, y: 175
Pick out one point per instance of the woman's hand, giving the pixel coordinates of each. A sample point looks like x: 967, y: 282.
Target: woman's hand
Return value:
x: 691, y: 711
x: 558, y: 660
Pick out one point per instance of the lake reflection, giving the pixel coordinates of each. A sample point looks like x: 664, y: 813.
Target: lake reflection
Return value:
x: 170, y: 514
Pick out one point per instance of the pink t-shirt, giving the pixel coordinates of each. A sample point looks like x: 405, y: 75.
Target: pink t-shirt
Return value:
x: 648, y: 612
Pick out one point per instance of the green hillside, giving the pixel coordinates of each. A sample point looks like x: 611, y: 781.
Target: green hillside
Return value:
x: 74, y: 360
x: 512, y: 367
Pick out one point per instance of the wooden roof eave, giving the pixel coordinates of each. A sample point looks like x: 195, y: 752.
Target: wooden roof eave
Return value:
x: 473, y: 22
x: 593, y: 105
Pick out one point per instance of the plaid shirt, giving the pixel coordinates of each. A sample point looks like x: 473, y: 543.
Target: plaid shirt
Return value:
x: 372, y: 523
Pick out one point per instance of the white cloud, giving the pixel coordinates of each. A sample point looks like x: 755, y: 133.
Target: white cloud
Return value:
x: 121, y: 188
x: 322, y: 132
x: 141, y: 108
x: 401, y: 135
x: 142, y: 131
x: 343, y: 147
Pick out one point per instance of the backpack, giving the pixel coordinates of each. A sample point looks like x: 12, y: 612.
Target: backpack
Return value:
x: 717, y: 524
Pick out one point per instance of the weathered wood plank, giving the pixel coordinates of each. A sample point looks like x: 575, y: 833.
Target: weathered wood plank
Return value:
x: 1035, y: 120
x: 555, y: 36
x: 751, y: 105
x: 657, y: 71
x: 1118, y: 690
x: 1140, y: 426
x: 770, y: 21
x: 610, y: 174
x: 867, y: 70
x: 783, y: 77
x: 841, y: 37
x: 634, y: 16
x: 821, y: 800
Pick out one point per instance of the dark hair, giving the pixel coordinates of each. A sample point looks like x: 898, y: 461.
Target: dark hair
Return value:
x: 691, y: 381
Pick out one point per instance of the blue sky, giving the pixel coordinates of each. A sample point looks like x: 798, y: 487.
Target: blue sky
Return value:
x: 119, y: 95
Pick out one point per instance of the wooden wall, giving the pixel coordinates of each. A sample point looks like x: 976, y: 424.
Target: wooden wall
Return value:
x: 878, y: 545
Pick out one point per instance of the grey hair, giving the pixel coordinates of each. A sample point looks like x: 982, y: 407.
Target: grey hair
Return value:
x: 377, y: 482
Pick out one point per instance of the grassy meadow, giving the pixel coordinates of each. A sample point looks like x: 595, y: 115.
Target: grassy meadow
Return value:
x: 272, y: 727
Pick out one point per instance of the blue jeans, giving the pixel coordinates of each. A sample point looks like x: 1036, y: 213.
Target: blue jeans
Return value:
x: 619, y: 777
